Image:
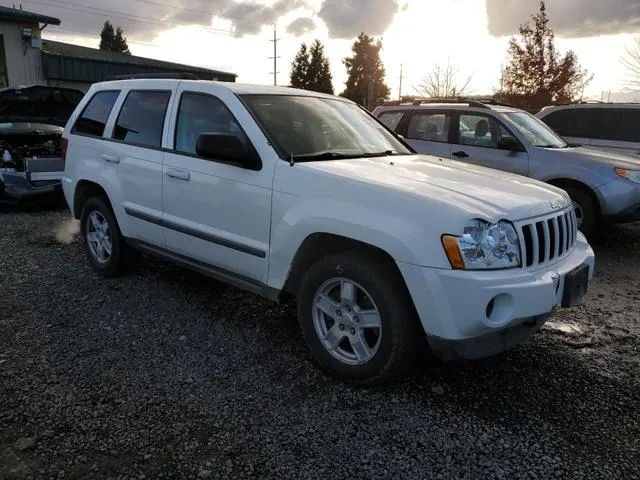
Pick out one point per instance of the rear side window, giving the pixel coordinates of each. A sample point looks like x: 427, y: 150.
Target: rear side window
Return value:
x: 391, y: 119
x: 573, y: 122
x: 95, y: 115
x: 141, y: 119
x: 619, y: 124
x: 201, y: 113
x: 430, y: 127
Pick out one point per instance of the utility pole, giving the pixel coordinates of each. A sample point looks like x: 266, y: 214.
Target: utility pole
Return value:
x: 400, y: 89
x: 275, y: 56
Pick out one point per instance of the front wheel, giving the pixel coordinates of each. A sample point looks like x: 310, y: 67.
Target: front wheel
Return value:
x: 586, y: 209
x: 357, y: 318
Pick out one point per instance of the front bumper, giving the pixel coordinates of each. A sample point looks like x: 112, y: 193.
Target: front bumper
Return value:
x: 19, y: 185
x: 456, y: 306
x: 620, y: 200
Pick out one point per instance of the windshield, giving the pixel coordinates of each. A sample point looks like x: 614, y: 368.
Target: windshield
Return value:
x: 537, y: 133
x: 314, y: 128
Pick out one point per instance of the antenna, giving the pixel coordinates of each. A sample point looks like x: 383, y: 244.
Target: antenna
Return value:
x: 400, y: 89
x: 275, y: 55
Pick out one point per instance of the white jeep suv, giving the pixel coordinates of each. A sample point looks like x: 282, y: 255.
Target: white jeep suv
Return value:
x: 289, y: 193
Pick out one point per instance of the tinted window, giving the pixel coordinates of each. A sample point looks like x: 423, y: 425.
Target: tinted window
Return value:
x: 574, y: 122
x: 141, y: 118
x: 94, y: 117
x: 199, y: 113
x: 619, y: 124
x: 431, y: 127
x: 391, y: 119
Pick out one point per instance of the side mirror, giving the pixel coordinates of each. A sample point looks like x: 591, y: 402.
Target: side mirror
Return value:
x: 510, y: 143
x: 220, y: 146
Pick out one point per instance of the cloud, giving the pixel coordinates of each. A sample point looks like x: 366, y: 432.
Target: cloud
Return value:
x: 568, y: 18
x: 347, y: 18
x: 300, y: 26
x: 248, y: 18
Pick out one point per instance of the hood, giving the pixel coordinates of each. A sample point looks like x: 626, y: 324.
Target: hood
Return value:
x: 594, y: 154
x: 489, y: 193
x: 38, y: 104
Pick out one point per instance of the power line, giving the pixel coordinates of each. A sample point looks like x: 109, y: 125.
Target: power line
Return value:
x: 275, y: 55
x: 103, y: 11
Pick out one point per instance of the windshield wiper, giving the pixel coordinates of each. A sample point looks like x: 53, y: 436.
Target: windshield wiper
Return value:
x: 341, y: 156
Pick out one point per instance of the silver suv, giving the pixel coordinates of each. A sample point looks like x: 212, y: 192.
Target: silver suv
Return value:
x: 604, y: 186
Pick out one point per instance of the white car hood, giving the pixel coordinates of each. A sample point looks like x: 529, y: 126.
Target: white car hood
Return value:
x: 492, y: 194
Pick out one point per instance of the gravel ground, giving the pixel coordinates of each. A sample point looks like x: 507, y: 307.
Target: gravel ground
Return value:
x: 160, y: 375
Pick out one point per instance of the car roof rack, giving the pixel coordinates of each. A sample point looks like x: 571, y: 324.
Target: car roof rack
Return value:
x: 480, y: 103
x: 133, y: 76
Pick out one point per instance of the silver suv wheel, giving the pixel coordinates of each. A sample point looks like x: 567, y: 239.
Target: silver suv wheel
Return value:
x: 347, y: 321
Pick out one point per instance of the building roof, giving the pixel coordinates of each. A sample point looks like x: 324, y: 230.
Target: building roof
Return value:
x: 65, y: 61
x: 7, y: 13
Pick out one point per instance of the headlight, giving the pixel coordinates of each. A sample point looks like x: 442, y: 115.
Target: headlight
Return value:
x: 484, y: 246
x: 633, y: 175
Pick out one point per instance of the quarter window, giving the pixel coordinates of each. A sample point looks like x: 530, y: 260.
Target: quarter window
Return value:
x: 430, y: 127
x: 141, y: 119
x: 200, y: 113
x: 95, y: 115
x: 391, y: 119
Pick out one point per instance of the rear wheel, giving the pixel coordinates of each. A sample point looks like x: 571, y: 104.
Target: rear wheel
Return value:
x: 357, y: 318
x: 104, y: 244
x: 587, y: 214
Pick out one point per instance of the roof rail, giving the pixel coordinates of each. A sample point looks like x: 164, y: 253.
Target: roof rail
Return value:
x: 132, y: 76
x: 481, y: 103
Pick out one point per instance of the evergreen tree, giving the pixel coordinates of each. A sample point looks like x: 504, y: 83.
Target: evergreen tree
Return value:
x: 113, y: 40
x: 120, y: 43
x: 299, y: 68
x: 319, y: 73
x: 365, y: 84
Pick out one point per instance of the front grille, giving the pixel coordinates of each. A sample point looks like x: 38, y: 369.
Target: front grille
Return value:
x: 548, y: 238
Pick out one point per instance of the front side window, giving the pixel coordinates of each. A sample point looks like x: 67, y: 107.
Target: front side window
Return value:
x: 201, y: 113
x: 95, y: 115
x: 478, y: 131
x: 619, y: 125
x: 430, y: 127
x: 572, y: 122
x: 391, y: 119
x: 536, y: 132
x: 319, y: 128
x: 141, y: 119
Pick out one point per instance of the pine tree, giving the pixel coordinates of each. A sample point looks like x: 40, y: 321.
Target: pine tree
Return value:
x: 300, y: 67
x: 113, y: 40
x: 107, y: 36
x: 120, y: 43
x: 319, y: 73
x: 536, y: 74
x: 365, y: 84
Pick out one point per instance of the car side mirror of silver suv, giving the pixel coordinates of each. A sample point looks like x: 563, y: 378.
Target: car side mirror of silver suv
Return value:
x: 510, y: 143
x: 225, y: 147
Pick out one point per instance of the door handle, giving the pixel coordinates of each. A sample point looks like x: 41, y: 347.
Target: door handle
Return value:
x: 179, y: 175
x: 460, y: 154
x: 110, y: 158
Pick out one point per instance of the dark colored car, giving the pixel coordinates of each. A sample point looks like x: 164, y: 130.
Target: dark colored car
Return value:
x: 31, y: 152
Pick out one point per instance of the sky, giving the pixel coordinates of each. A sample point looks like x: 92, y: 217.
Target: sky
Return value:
x: 234, y: 35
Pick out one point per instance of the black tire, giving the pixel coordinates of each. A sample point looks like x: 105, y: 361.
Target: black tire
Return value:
x: 401, y: 331
x: 589, y: 209
x: 122, y: 257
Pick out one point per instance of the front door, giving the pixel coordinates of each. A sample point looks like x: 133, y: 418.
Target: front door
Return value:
x: 478, y: 141
x: 215, y: 212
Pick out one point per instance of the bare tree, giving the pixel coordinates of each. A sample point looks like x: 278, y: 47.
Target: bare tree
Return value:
x: 444, y: 81
x: 631, y: 62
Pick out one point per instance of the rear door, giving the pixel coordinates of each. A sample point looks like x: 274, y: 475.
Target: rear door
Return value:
x: 133, y: 158
x: 577, y: 126
x: 477, y: 136
x: 618, y: 129
x: 429, y: 132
